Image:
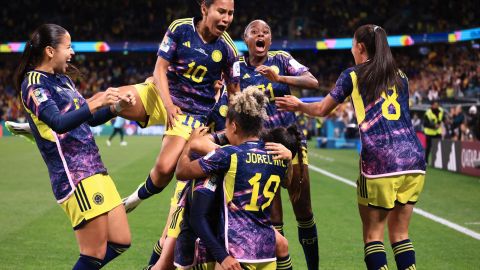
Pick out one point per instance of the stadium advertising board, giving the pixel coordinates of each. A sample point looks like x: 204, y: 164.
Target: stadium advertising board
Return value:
x: 455, y: 156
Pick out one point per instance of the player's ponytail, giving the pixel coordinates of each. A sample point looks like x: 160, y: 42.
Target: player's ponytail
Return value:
x: 380, y: 72
x: 247, y: 110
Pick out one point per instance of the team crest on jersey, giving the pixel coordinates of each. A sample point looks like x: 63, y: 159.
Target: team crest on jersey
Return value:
x: 217, y: 56
x: 39, y: 96
x: 98, y: 198
x: 275, y: 69
x: 223, y: 110
x: 166, y: 43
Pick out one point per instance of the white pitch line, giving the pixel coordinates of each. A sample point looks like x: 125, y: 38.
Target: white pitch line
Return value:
x: 416, y: 210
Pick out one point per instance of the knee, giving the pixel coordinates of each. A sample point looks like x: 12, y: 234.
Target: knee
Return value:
x: 281, y: 246
x: 162, y: 171
x: 96, y: 251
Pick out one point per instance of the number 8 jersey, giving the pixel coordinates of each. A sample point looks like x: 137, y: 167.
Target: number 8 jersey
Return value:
x: 389, y: 144
x: 249, y: 185
x: 196, y: 65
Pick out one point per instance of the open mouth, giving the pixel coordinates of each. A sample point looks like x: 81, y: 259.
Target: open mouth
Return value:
x: 222, y: 27
x: 260, y: 45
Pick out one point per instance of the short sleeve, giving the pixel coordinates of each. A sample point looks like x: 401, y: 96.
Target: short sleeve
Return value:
x: 343, y: 87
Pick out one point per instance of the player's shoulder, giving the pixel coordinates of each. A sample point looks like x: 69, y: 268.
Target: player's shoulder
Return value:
x: 33, y: 80
x: 181, y: 25
x: 225, y: 38
x: 279, y: 54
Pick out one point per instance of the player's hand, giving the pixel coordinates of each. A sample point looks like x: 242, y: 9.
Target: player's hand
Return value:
x: 278, y: 150
x: 172, y: 115
x: 230, y: 263
x: 110, y: 97
x: 218, y: 85
x: 127, y: 100
x: 288, y: 103
x: 268, y: 73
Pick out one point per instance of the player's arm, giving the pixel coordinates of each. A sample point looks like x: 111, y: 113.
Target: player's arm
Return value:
x: 304, y: 80
x: 49, y: 113
x: 200, y: 208
x: 293, y: 104
x: 161, y: 83
x: 186, y: 167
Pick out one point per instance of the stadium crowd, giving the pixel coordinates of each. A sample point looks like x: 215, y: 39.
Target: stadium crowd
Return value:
x: 147, y: 19
x: 439, y: 71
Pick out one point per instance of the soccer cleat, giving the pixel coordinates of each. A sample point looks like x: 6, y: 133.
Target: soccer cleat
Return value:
x: 124, y: 143
x: 20, y: 129
x: 109, y: 143
x: 131, y: 202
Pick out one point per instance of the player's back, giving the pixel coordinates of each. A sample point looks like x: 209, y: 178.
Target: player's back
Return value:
x: 389, y: 143
x: 249, y: 187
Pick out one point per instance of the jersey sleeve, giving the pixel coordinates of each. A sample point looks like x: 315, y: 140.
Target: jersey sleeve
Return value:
x: 217, y: 161
x: 168, y: 47
x: 292, y: 66
x: 37, y: 98
x: 231, y: 69
x: 343, y: 87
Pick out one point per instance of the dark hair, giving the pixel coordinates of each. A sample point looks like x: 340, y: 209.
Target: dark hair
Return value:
x: 291, y: 138
x: 43, y: 36
x: 207, y: 3
x: 247, y: 110
x: 250, y: 25
x: 380, y: 72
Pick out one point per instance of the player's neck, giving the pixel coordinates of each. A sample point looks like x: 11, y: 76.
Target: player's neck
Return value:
x: 256, y: 60
x: 45, y: 67
x: 204, y: 33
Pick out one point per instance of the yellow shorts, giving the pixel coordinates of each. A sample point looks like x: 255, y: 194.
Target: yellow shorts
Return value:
x: 153, y: 104
x: 157, y: 114
x: 260, y: 266
x: 93, y: 197
x: 384, y: 192
x: 304, y: 158
x: 177, y: 216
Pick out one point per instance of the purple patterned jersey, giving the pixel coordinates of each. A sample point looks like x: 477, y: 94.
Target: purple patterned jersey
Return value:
x: 72, y: 156
x: 196, y: 65
x: 249, y: 185
x: 283, y: 64
x: 389, y: 143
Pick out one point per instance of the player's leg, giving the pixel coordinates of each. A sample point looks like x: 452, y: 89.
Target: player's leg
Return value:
x: 284, y: 262
x: 161, y: 173
x: 92, y: 240
x: 399, y: 220
x: 119, y: 237
x: 302, y: 207
x: 373, y: 223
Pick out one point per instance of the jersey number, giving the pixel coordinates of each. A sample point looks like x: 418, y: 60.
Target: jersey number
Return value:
x: 269, y: 87
x: 391, y: 100
x: 193, y: 72
x: 254, y: 182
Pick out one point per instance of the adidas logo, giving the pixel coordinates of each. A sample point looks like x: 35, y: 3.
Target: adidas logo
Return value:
x: 186, y: 44
x: 246, y: 76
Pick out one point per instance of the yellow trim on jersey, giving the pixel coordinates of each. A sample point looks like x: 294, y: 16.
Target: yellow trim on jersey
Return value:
x: 230, y: 178
x: 44, y: 130
x: 284, y: 53
x: 230, y: 42
x: 179, y: 22
x: 357, y: 99
x: 34, y: 77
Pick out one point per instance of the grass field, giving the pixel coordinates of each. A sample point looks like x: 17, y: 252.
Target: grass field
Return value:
x: 35, y: 233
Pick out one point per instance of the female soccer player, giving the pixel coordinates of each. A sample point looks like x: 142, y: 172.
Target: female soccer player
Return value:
x: 280, y: 72
x: 250, y: 179
x: 59, y: 118
x: 392, y: 170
